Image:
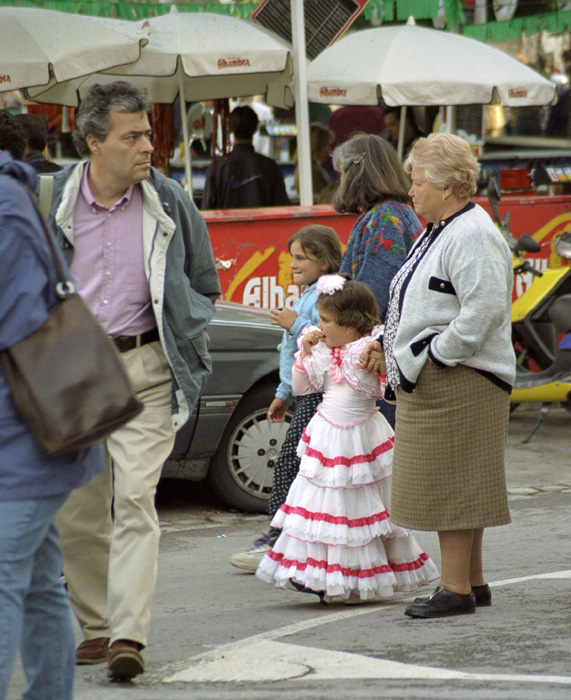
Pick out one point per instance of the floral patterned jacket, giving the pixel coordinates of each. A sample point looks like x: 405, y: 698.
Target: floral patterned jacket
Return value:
x: 378, y: 246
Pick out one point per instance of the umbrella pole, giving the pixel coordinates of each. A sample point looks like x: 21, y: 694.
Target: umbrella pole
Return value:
x: 402, y: 124
x: 452, y: 119
x: 301, y: 107
x: 185, y: 136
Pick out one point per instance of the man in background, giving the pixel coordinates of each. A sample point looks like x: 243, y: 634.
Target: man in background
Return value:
x: 411, y: 130
x: 348, y: 120
x: 246, y: 178
x: 36, y: 132
x: 12, y: 136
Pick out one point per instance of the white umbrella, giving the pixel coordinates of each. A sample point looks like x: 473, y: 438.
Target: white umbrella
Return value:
x: 198, y: 56
x: 39, y: 47
x: 410, y: 65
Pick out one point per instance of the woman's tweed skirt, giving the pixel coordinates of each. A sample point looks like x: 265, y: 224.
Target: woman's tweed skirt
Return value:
x: 450, y: 437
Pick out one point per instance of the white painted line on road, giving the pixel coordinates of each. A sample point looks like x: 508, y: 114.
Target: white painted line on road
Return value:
x: 267, y: 660
x: 262, y: 658
x: 521, y: 579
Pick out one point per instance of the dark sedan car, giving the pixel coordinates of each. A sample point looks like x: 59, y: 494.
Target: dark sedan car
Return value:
x: 228, y: 439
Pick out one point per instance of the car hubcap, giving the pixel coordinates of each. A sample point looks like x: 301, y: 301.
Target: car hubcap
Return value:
x: 253, y: 451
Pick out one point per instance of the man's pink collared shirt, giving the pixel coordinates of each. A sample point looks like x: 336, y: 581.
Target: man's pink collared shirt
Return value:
x: 108, y: 262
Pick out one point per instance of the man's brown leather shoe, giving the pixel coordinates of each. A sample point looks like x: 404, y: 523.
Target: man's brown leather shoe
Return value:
x: 124, y: 661
x: 92, y: 651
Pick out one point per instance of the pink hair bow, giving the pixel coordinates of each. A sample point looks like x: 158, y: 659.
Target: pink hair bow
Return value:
x: 329, y: 284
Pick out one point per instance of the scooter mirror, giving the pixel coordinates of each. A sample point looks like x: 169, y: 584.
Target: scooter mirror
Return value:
x: 528, y: 244
x: 494, y: 196
x: 562, y: 245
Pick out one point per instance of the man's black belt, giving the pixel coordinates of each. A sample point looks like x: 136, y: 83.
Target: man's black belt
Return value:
x: 128, y: 342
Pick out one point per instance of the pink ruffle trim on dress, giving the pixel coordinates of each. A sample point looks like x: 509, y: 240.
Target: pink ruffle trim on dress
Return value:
x: 346, y: 571
x: 332, y: 519
x: 346, y: 461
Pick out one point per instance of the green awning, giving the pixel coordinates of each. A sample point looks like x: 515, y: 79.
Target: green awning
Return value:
x: 390, y: 10
x: 385, y: 10
x: 554, y: 22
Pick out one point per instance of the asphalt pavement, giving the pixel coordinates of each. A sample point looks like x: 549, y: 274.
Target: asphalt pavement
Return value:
x: 219, y: 633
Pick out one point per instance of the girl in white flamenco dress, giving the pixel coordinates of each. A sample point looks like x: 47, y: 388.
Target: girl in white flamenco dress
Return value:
x: 337, y: 539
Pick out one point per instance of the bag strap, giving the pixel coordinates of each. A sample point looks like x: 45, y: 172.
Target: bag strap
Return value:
x: 45, y: 195
x: 65, y: 286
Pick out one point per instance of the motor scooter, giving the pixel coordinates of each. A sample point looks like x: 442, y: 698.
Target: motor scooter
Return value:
x: 539, y: 316
x: 533, y: 334
x: 552, y: 385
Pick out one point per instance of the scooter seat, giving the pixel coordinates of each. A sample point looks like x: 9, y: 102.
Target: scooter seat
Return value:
x: 560, y: 314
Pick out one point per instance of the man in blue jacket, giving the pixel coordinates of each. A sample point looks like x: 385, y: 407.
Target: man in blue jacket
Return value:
x: 140, y: 254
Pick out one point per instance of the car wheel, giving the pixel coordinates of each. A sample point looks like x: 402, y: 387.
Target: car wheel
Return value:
x: 241, y: 470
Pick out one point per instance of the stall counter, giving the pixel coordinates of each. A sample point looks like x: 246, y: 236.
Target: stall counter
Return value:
x: 253, y: 262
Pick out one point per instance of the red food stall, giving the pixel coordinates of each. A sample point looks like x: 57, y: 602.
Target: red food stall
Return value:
x: 250, y: 245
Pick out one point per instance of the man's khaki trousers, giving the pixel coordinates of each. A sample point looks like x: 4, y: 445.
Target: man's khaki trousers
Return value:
x: 109, y: 527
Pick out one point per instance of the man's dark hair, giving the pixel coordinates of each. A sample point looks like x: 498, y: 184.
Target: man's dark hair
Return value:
x: 243, y: 122
x: 93, y: 117
x: 12, y: 137
x: 409, y: 115
x: 36, y: 130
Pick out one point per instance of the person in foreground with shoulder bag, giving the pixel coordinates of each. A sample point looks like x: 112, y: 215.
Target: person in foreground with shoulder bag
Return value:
x: 139, y: 253
x: 450, y: 361
x: 34, y: 611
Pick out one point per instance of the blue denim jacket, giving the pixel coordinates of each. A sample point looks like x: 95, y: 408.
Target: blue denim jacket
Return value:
x: 307, y: 315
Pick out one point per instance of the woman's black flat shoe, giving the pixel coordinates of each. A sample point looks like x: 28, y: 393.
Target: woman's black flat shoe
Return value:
x: 483, y: 595
x: 442, y: 603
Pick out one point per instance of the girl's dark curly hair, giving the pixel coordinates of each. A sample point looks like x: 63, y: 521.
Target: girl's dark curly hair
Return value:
x: 354, y: 306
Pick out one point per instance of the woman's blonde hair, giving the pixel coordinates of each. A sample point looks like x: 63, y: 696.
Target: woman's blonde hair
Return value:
x: 319, y: 137
x: 445, y: 159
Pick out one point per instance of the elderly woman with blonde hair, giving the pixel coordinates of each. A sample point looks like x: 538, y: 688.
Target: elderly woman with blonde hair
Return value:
x: 450, y: 364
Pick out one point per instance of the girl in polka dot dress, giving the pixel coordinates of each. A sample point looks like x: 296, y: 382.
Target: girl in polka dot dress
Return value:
x: 315, y: 250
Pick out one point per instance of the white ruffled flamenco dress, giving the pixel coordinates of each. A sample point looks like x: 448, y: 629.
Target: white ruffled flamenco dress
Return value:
x: 337, y: 538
